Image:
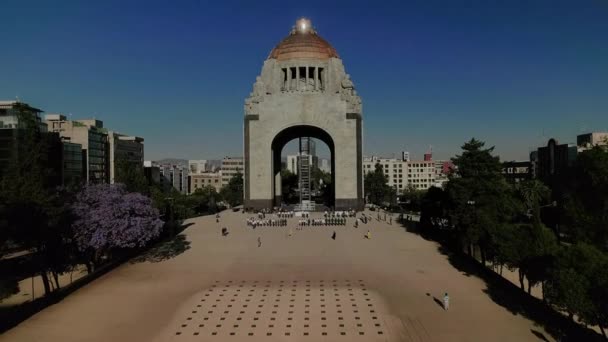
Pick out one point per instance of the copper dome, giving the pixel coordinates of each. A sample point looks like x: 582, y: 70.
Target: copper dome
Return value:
x: 303, y: 42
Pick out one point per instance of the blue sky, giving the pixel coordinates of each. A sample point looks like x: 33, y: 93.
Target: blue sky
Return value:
x: 512, y: 73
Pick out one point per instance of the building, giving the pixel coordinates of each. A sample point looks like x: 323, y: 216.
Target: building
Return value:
x: 517, y: 171
x: 92, y: 137
x: 11, y: 128
x: 198, y: 166
x: 401, y: 174
x: 553, y: 160
x: 203, y: 179
x: 303, y: 90
x: 292, y: 163
x: 152, y: 172
x: 72, y: 163
x: 230, y: 167
x: 176, y: 176
x: 443, y: 168
x: 325, y: 165
x: 588, y: 140
x: 123, y: 148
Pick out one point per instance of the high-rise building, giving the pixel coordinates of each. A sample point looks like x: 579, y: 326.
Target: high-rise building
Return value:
x: 123, y: 148
x: 230, y: 167
x: 553, y: 160
x: 325, y: 165
x: 14, y: 117
x: 175, y: 176
x: 93, y: 138
x: 72, y: 163
x: 11, y: 128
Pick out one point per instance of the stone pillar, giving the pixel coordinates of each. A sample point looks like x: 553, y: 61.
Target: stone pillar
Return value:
x: 316, y: 72
x: 306, y: 78
x: 297, y: 78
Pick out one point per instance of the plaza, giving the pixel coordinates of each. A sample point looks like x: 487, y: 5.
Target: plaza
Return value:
x: 303, y: 287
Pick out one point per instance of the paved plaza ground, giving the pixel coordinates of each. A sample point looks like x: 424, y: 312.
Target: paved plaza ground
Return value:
x: 304, y: 287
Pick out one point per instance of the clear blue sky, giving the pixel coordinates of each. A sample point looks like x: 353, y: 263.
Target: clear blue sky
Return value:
x: 512, y: 73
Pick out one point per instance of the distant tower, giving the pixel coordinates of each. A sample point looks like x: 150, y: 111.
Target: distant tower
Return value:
x: 405, y: 156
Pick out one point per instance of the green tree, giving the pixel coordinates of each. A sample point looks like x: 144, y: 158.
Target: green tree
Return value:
x: 586, y: 199
x: 131, y: 174
x: 35, y: 214
x: 576, y: 284
x: 480, y: 201
x: 534, y: 193
x: 412, y: 198
x: 233, y: 191
x: 289, y: 186
x: 205, y: 199
x: 376, y: 186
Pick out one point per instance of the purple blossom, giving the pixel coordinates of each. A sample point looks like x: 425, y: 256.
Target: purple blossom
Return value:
x: 108, y: 217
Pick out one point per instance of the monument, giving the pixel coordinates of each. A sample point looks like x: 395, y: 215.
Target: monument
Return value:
x: 302, y: 91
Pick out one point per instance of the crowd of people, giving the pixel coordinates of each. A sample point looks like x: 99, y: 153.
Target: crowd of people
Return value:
x: 330, y: 221
x: 263, y: 222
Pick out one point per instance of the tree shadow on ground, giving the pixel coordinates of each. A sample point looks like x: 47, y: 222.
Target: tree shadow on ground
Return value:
x: 518, y: 302
x: 164, y: 250
x: 540, y: 335
x: 414, y: 227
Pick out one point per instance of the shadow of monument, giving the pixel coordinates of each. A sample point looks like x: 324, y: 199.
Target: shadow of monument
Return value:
x: 518, y: 302
x: 164, y: 250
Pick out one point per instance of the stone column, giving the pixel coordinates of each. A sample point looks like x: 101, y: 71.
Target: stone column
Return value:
x: 316, y: 72
x: 306, y: 78
x: 297, y: 78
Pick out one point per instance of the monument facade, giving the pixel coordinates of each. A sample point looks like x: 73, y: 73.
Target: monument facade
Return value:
x: 302, y: 91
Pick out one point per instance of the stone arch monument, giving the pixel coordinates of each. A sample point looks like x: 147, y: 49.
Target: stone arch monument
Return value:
x: 302, y: 91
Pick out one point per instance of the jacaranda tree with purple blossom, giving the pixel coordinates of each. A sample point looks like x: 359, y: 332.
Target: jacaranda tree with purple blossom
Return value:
x: 110, y: 218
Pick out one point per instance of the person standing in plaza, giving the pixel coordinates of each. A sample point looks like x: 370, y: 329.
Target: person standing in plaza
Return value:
x: 446, y: 302
x: 368, y: 235
x: 333, y: 236
x: 259, y: 241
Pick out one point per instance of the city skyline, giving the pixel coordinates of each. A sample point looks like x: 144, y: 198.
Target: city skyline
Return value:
x: 512, y: 75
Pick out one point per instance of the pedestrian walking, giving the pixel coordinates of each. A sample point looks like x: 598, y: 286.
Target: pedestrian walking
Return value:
x: 368, y: 235
x: 290, y: 232
x: 333, y: 236
x: 259, y: 242
x: 446, y: 302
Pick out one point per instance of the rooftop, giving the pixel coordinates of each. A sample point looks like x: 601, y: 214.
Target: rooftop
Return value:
x: 303, y: 42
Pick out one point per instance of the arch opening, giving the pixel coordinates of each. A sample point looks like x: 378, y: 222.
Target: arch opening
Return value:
x: 278, y: 144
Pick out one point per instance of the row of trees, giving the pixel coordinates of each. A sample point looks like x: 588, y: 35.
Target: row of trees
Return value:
x: 480, y: 213
x: 59, y: 228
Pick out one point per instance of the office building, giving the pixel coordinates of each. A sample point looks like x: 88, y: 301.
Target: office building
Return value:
x: 203, y: 179
x: 517, y: 171
x: 176, y: 176
x: 588, y: 140
x: 124, y: 148
x: 197, y: 166
x: 401, y: 174
x: 230, y: 167
x: 553, y: 160
x: 92, y: 137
